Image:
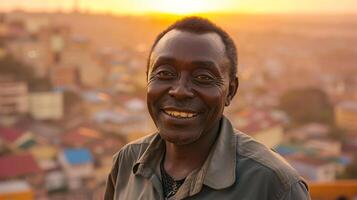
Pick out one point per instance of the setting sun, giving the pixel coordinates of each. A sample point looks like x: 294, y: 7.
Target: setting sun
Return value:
x: 183, y: 7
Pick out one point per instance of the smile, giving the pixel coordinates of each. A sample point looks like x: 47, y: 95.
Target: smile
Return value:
x: 180, y: 114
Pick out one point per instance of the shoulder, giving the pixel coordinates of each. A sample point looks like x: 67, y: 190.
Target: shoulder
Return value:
x: 261, y: 161
x: 134, y: 149
x: 125, y: 158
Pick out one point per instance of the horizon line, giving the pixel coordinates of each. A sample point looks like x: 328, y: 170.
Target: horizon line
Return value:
x: 153, y: 13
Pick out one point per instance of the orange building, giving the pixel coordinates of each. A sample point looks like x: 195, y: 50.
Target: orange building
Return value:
x: 346, y: 115
x: 15, y: 190
x: 346, y: 189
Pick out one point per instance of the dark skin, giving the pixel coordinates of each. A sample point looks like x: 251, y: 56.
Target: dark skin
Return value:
x: 189, y: 85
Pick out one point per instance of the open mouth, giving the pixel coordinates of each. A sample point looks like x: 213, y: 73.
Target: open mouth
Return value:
x: 180, y: 114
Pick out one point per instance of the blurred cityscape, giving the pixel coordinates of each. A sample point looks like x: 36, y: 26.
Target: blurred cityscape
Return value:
x: 73, y: 86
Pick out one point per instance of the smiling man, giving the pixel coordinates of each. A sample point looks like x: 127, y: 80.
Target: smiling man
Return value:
x: 196, y: 154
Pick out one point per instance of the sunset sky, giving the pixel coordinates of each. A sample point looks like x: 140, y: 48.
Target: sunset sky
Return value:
x: 187, y: 6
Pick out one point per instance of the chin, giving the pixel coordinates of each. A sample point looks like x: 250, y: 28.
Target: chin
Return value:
x: 178, y: 138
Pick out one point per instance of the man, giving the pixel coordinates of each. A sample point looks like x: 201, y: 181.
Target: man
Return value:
x: 195, y: 153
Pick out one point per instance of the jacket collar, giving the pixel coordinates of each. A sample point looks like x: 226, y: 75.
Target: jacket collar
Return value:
x: 221, y: 163
x: 217, y: 172
x: 151, y: 158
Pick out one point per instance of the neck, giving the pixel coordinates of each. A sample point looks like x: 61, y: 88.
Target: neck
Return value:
x: 181, y: 160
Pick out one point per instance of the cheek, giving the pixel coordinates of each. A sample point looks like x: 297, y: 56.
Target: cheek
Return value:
x: 154, y: 92
x: 213, y: 97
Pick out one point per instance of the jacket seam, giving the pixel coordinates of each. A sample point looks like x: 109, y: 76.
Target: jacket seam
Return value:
x: 281, y: 194
x: 286, y: 183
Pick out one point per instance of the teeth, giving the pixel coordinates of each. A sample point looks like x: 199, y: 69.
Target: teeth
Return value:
x: 180, y: 114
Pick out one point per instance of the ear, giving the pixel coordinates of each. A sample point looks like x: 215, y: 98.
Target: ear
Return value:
x: 232, y: 90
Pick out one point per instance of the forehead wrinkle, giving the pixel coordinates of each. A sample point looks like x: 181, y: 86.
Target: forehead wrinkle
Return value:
x: 172, y: 59
x: 162, y: 59
x: 176, y: 39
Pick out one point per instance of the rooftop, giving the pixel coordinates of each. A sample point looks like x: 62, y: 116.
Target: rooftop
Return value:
x: 17, y: 165
x: 308, y: 160
x: 80, y: 136
x: 348, y: 105
x: 78, y: 156
x: 10, y: 134
x: 256, y: 120
x: 13, y: 186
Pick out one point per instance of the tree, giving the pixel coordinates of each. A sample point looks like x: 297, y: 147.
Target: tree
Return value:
x: 307, y: 105
x: 337, y: 133
x: 350, y: 171
x: 9, y: 66
x: 72, y: 102
x: 39, y: 84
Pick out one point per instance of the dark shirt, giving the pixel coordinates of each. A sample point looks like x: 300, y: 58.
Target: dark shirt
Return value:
x: 169, y: 185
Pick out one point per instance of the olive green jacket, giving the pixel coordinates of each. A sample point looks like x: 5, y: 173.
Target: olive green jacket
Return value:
x: 237, y: 167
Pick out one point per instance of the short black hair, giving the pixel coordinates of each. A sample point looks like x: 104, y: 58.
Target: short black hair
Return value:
x: 201, y: 25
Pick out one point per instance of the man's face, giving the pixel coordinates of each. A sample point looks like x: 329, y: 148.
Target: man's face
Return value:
x: 188, y: 85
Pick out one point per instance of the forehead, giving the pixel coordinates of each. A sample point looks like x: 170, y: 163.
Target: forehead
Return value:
x: 187, y: 46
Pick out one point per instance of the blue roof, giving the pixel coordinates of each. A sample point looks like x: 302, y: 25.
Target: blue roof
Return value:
x: 78, y: 156
x: 284, y: 150
x: 344, y: 160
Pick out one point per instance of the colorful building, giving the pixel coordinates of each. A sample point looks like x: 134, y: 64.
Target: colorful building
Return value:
x: 19, y: 166
x: 80, y: 137
x: 313, y: 168
x: 64, y: 77
x: 340, y: 189
x: 14, y: 139
x: 13, y: 100
x: 15, y: 190
x: 46, y: 156
x: 78, y: 165
x: 261, y: 125
x: 46, y: 105
x: 346, y: 115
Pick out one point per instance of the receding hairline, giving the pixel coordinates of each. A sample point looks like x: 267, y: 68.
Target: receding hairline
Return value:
x: 192, y: 33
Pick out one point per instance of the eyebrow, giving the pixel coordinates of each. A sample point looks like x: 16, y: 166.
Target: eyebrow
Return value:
x: 205, y: 64
x: 164, y: 59
x: 201, y: 63
x: 158, y: 61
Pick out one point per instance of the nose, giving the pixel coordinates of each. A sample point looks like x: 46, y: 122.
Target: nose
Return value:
x: 181, y: 89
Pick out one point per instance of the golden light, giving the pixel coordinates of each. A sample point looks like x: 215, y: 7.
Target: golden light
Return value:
x: 183, y: 7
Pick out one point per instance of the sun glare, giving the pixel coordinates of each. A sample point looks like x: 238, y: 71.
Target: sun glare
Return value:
x: 183, y: 7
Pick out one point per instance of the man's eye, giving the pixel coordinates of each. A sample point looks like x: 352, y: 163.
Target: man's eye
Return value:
x: 165, y: 74
x: 204, y: 78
